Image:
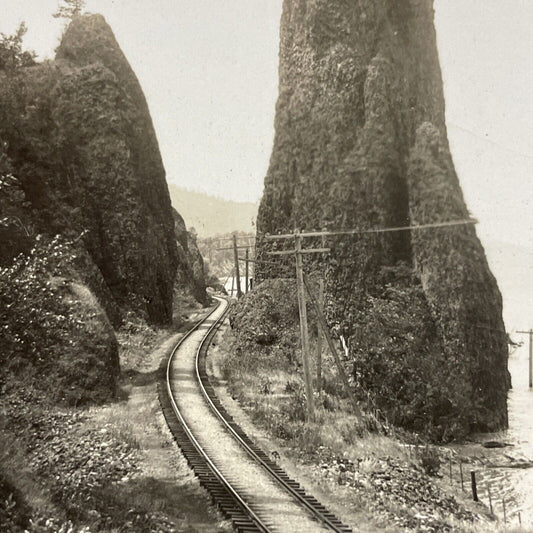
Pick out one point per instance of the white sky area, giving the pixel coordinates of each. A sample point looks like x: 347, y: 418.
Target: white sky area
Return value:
x: 209, y: 72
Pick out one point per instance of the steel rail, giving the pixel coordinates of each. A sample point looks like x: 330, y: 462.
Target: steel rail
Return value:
x: 312, y: 505
x: 227, y: 485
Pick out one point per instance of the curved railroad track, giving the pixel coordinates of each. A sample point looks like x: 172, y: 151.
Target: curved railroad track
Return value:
x: 250, y: 489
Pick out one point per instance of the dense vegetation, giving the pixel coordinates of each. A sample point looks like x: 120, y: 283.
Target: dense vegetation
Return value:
x: 361, y: 143
x: 56, y: 338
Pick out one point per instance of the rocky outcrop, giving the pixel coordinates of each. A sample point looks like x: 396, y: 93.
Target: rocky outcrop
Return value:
x: 81, y: 143
x: 82, y: 180
x: 191, y: 272
x: 361, y: 143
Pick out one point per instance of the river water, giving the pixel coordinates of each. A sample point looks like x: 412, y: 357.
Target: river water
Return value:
x: 506, y: 473
x: 520, y: 432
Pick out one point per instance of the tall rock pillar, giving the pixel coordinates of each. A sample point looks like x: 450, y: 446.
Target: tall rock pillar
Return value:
x: 361, y: 142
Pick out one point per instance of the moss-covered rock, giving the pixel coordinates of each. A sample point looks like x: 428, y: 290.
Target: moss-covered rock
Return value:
x: 82, y: 145
x: 191, y: 271
x: 80, y: 169
x: 361, y: 143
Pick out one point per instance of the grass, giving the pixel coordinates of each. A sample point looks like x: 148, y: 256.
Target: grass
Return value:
x: 270, y: 388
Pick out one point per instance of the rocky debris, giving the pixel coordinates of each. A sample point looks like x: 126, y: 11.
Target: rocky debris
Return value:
x: 361, y: 143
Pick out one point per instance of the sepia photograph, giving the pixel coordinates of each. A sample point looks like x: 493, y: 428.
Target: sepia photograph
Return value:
x: 264, y: 266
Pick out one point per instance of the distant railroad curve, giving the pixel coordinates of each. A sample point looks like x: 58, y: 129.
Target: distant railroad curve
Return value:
x: 249, y: 488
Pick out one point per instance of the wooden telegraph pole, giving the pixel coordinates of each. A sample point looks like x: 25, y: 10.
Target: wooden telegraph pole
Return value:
x: 332, y: 349
x: 247, y: 270
x: 236, y: 257
x: 530, y: 333
x: 237, y: 271
x: 319, y: 337
x: 302, y: 306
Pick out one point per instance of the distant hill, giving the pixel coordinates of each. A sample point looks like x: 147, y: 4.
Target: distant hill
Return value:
x: 210, y: 215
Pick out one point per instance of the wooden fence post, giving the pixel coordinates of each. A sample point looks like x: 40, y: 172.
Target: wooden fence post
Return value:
x: 474, y: 486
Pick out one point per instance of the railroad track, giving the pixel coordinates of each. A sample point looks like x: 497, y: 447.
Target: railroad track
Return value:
x: 248, y: 487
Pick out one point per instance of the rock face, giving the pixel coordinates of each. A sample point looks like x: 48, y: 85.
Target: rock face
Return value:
x: 83, y: 197
x: 361, y: 142
x: 191, y: 275
x: 81, y: 143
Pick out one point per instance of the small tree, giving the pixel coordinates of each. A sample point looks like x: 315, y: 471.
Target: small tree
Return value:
x: 11, y: 54
x: 70, y: 9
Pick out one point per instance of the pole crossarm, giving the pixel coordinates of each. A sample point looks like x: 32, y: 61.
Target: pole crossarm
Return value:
x: 308, y: 251
x: 231, y: 248
x: 223, y: 239
x: 269, y: 237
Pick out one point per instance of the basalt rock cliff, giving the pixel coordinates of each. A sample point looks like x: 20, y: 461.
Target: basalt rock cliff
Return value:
x: 191, y: 276
x: 83, y: 198
x: 361, y: 142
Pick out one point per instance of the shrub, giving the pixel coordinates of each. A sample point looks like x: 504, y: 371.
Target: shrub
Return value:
x: 11, y: 54
x: 53, y: 326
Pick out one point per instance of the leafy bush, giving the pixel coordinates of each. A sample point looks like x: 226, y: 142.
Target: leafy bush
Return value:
x: 52, y: 325
x: 399, y: 360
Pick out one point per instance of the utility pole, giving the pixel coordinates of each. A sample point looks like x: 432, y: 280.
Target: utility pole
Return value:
x: 237, y: 271
x: 247, y: 269
x: 319, y: 337
x: 530, y: 333
x: 303, y: 325
x: 318, y: 334
x: 304, y: 332
x: 333, y: 350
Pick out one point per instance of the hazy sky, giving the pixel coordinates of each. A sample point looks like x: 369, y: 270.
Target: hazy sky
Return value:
x: 209, y: 71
